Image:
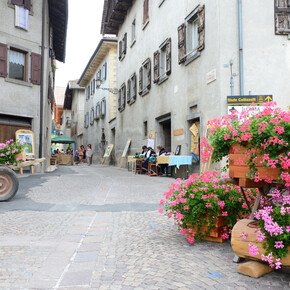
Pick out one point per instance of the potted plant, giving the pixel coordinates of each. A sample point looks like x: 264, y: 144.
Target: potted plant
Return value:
x: 267, y: 238
x: 203, y: 208
x: 102, y: 116
x: 96, y: 118
x: 11, y: 152
x: 263, y: 139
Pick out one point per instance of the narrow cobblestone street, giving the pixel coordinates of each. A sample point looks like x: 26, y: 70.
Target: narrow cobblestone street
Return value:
x: 98, y: 227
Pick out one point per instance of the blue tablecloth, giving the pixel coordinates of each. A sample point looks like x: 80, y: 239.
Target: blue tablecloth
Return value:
x: 176, y: 160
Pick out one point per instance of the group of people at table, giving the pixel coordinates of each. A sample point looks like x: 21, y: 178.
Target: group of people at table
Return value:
x: 148, y: 152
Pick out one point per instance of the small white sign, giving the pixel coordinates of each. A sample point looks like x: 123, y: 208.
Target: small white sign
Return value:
x: 211, y: 76
x: 240, y: 109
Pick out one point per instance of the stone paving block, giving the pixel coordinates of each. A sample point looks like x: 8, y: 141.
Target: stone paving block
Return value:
x: 86, y: 257
x: 81, y: 278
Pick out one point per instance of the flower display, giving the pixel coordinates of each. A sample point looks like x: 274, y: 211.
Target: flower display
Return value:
x: 265, y: 134
x: 199, y: 201
x: 8, y: 152
x: 274, y: 232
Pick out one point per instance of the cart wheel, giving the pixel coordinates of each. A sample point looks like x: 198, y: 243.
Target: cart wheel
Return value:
x: 8, y: 183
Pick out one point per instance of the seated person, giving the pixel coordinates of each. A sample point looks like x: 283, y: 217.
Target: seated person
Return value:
x: 162, y: 167
x: 148, y: 153
x: 144, y: 149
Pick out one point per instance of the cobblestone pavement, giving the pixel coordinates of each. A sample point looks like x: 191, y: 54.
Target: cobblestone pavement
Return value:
x: 98, y: 228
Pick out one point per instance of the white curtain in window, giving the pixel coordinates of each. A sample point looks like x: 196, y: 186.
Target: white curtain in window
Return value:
x: 16, y: 57
x: 21, y: 17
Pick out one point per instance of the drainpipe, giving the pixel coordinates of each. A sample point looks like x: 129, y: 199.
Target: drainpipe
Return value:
x: 241, y: 52
x: 41, y: 81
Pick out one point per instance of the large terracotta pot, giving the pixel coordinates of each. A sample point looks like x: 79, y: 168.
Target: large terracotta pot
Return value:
x: 241, y: 246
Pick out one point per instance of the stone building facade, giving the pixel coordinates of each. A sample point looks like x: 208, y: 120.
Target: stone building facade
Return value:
x: 178, y: 62
x: 100, y: 80
x: 74, y: 102
x: 32, y: 37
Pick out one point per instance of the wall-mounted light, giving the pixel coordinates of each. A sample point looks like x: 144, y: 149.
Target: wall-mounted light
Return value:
x: 111, y: 90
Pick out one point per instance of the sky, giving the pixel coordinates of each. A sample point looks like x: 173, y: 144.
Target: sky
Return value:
x: 83, y: 36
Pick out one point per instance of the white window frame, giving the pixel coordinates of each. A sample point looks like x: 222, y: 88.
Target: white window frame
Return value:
x: 192, y: 36
x: 133, y: 32
x: 162, y: 62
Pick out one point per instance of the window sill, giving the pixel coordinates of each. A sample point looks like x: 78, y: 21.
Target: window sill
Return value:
x: 162, y: 79
x: 160, y: 2
x: 144, y: 92
x: 192, y: 57
x: 131, y: 101
x: 145, y: 24
x: 133, y: 42
x: 122, y: 57
x: 18, y: 82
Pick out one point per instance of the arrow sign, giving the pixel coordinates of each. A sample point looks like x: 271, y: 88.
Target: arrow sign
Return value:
x: 268, y: 99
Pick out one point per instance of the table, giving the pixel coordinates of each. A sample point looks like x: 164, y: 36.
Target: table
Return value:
x: 64, y: 159
x: 131, y: 159
x: 176, y: 161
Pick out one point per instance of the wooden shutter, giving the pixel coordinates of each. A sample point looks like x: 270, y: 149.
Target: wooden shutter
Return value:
x: 119, y: 100
x: 282, y: 17
x: 145, y: 10
x: 35, y: 68
x: 124, y: 96
x: 105, y: 70
x: 27, y: 4
x: 134, y: 87
x: 156, y: 66
x: 128, y: 91
x: 148, y: 64
x: 168, y: 56
x: 3, y: 60
x: 201, y: 28
x: 125, y: 43
x: 181, y: 44
x: 17, y: 2
x: 140, y: 80
x: 120, y: 50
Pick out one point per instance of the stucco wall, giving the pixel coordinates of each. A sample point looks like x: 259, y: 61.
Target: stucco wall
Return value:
x: 266, y: 66
x: 23, y: 98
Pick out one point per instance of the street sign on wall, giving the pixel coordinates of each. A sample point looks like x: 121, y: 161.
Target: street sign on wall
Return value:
x: 248, y: 100
x: 241, y: 103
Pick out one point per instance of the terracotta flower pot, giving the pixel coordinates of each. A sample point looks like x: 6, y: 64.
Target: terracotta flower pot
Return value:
x: 214, y: 234
x: 21, y: 155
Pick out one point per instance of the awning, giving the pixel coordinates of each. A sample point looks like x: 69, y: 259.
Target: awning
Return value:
x: 62, y: 139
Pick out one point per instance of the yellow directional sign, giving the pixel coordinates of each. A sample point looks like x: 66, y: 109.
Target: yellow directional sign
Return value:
x: 248, y: 100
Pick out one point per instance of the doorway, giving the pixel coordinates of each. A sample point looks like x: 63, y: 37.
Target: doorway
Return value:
x: 166, y: 128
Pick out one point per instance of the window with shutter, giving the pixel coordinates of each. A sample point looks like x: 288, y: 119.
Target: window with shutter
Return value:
x: 125, y: 44
x: 21, y: 17
x: 145, y: 13
x: 168, y: 56
x: 103, y: 107
x: 92, y: 116
x: 128, y: 91
x: 25, y: 3
x: 98, y: 109
x: 35, y: 68
x: 156, y: 66
x: 131, y: 89
x: 123, y: 47
x: 3, y: 60
x: 123, y: 100
x: 191, y: 36
x: 104, y: 71
x: 181, y: 44
x: 133, y: 31
x: 145, y: 77
x: 282, y: 17
x: 140, y: 80
x: 201, y: 27
x: 119, y: 99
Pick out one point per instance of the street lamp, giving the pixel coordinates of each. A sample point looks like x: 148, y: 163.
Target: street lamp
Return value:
x: 111, y: 90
